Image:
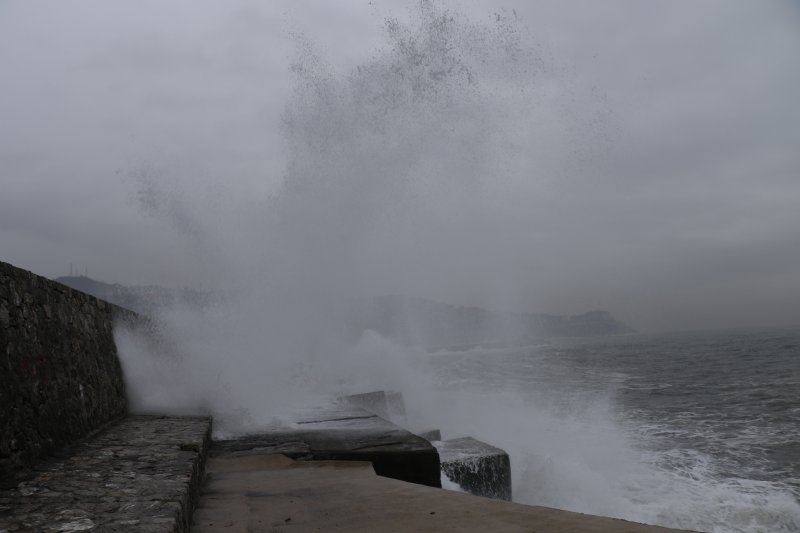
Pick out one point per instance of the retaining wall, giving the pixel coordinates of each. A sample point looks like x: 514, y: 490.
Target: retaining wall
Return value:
x: 60, y: 377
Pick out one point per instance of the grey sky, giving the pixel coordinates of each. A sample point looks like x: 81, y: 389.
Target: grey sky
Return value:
x: 677, y: 207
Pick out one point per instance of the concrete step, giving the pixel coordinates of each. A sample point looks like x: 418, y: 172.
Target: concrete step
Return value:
x: 141, y: 474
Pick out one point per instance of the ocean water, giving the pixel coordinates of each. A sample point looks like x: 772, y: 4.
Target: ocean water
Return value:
x: 691, y: 430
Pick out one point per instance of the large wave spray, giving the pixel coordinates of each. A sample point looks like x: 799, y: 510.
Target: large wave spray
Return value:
x: 418, y: 173
x: 414, y: 174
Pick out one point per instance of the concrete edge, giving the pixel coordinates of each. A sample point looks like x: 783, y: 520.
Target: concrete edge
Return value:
x: 191, y: 497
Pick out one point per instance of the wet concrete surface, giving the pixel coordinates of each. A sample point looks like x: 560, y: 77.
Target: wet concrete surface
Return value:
x: 276, y: 494
x: 141, y: 474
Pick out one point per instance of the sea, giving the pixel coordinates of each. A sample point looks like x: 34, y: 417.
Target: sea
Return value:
x: 695, y: 430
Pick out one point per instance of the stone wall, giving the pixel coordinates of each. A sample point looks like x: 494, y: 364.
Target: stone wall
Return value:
x: 60, y: 377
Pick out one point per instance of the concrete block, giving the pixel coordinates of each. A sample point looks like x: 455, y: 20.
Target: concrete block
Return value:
x: 476, y: 467
x: 396, y: 408
x: 431, y: 435
x: 388, y: 405
x: 344, y: 433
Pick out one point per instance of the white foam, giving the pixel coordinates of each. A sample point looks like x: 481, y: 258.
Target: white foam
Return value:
x: 449, y: 484
x: 576, y: 455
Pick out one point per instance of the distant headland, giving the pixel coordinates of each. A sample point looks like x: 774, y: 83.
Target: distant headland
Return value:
x: 408, y: 320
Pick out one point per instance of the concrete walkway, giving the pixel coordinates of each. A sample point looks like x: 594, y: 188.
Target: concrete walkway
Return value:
x: 272, y: 493
x: 139, y: 475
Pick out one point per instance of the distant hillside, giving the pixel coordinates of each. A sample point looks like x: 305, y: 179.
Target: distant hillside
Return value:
x: 144, y: 299
x: 408, y: 320
x: 419, y: 321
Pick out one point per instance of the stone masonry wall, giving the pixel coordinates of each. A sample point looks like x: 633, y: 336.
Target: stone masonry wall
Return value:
x: 60, y: 377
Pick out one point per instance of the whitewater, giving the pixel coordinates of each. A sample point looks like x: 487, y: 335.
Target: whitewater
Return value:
x: 687, y: 430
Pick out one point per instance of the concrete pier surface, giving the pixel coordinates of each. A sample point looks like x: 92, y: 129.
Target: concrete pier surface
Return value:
x: 141, y: 474
x: 274, y: 493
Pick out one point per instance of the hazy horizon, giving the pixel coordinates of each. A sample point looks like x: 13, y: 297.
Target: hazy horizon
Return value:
x: 637, y: 158
x: 77, y: 275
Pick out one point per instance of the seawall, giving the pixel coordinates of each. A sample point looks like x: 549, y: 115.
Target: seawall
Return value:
x: 60, y: 377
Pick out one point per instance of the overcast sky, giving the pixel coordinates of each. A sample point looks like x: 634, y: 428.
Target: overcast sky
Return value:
x: 683, y: 211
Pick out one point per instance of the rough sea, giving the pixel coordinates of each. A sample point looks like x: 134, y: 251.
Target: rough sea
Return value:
x: 693, y: 430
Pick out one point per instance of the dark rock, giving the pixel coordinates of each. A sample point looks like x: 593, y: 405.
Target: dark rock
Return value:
x: 345, y: 433
x: 476, y: 467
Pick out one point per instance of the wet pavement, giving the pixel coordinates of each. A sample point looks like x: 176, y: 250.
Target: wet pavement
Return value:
x: 141, y: 474
x: 274, y: 493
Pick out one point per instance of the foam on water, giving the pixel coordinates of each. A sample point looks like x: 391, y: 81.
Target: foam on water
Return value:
x: 695, y: 497
x: 573, y: 446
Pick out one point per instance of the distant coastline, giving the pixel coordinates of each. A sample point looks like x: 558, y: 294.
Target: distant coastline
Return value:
x: 414, y: 321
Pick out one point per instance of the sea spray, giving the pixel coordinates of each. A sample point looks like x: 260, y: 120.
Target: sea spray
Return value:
x: 406, y: 175
x: 576, y: 443
x: 418, y: 172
